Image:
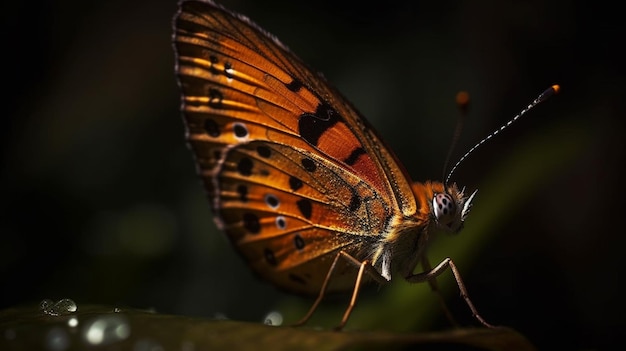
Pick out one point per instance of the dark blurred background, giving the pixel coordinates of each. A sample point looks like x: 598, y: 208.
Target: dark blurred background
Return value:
x: 101, y: 204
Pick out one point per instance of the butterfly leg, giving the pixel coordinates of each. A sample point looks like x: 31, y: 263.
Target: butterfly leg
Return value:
x: 308, y: 315
x: 440, y: 268
x: 363, y: 265
x: 435, y: 288
x: 355, y: 293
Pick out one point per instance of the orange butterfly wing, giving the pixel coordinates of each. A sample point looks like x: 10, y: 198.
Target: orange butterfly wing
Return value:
x: 294, y: 173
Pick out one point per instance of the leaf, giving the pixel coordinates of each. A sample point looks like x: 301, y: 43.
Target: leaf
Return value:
x: 108, y: 328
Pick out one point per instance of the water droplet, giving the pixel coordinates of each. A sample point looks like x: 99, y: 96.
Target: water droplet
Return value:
x: 106, y: 330
x: 273, y: 318
x: 72, y: 322
x: 45, y: 304
x: 61, y: 307
x: 57, y: 339
x: 66, y: 306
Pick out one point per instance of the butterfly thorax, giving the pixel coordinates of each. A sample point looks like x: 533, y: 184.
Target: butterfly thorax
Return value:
x: 439, y: 209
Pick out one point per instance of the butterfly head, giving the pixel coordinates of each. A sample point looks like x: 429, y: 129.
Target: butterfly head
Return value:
x: 450, y: 208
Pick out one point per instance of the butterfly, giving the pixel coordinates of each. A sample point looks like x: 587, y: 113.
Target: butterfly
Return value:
x: 301, y: 184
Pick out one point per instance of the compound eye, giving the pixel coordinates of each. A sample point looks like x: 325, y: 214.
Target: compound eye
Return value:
x: 444, y: 208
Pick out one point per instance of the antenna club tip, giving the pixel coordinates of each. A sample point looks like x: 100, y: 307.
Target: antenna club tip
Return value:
x: 548, y: 92
x: 462, y: 98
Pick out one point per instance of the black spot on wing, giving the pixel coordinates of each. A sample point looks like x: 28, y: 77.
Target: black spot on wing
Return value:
x: 280, y: 222
x: 295, y: 183
x: 215, y: 98
x: 354, y: 156
x: 264, y: 151
x: 295, y: 85
x: 355, y: 202
x: 298, y: 242
x: 214, y: 60
x: 227, y: 70
x: 272, y: 201
x: 244, y: 166
x: 305, y: 207
x: 269, y: 257
x: 240, y: 130
x: 212, y: 128
x: 311, y: 126
x: 251, y: 223
x: 308, y: 164
x: 242, y: 190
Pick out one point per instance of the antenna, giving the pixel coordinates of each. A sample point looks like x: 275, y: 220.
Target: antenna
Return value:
x: 541, y: 98
x: 462, y: 102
